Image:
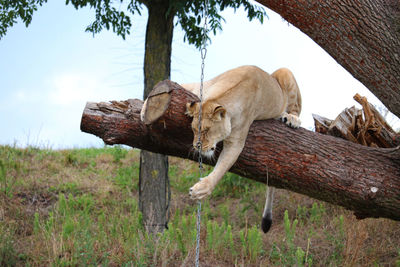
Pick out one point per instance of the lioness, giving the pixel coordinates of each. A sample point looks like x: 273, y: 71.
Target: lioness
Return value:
x: 232, y: 101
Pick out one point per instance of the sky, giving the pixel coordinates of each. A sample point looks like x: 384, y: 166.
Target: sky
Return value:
x: 49, y: 70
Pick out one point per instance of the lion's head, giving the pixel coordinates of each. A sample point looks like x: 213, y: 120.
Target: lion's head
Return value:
x: 215, y: 125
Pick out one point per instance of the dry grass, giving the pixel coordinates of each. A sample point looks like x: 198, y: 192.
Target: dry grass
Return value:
x: 79, y: 207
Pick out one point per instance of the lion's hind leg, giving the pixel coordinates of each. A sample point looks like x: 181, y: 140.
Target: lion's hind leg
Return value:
x: 289, y: 86
x: 293, y: 109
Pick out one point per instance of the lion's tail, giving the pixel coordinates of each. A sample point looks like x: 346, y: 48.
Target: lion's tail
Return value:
x: 267, y: 214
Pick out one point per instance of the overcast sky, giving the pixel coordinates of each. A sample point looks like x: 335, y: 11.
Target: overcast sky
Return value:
x: 49, y: 70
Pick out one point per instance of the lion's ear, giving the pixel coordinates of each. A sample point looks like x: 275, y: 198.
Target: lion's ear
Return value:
x: 219, y: 113
x: 191, y: 108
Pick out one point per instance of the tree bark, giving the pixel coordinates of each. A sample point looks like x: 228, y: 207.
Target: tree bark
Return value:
x: 363, y: 179
x: 362, y: 36
x: 153, y: 174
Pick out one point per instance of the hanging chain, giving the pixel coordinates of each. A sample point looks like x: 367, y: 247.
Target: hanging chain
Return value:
x: 199, y: 143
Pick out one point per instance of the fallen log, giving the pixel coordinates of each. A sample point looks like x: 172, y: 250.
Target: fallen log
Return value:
x: 363, y: 179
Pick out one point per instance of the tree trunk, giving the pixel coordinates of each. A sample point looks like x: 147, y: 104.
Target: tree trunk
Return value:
x: 362, y: 36
x: 363, y: 179
x: 153, y: 175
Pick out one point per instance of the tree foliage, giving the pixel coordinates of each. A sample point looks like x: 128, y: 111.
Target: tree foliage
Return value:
x: 189, y: 16
x: 11, y: 11
x: 109, y: 14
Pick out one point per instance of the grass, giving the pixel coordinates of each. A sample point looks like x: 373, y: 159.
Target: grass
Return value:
x: 79, y: 207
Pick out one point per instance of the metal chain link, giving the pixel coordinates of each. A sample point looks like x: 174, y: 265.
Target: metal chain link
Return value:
x: 199, y: 143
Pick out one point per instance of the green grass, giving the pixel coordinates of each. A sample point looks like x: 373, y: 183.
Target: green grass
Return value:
x: 79, y: 207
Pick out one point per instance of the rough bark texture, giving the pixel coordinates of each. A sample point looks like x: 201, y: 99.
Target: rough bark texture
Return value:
x: 363, y: 179
x: 362, y: 36
x: 153, y: 175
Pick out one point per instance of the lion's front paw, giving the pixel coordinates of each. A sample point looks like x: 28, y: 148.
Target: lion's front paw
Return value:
x: 291, y: 120
x: 201, y: 189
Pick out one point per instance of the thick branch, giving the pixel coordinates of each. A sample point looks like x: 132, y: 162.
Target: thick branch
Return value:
x: 363, y: 179
x: 362, y: 36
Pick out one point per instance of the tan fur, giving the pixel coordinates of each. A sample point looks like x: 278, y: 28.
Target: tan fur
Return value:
x: 232, y: 101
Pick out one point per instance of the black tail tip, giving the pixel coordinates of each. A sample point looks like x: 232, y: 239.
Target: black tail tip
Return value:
x: 266, y: 223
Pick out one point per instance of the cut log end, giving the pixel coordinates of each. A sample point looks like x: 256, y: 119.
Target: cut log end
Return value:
x: 158, y: 101
x: 155, y: 107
